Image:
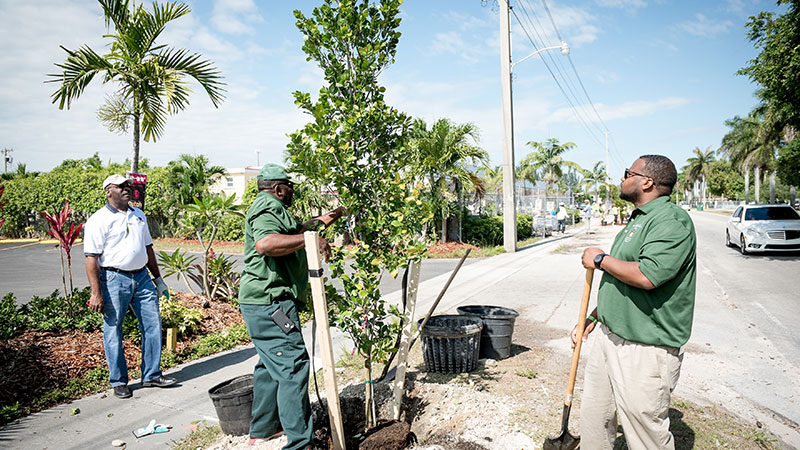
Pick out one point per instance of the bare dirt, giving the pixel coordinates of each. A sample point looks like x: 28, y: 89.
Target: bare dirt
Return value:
x: 513, y: 403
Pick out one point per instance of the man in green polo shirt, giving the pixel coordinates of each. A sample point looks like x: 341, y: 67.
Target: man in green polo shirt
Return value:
x: 274, y: 281
x: 645, y: 306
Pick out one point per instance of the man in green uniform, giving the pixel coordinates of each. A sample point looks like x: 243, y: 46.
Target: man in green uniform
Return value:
x: 645, y: 307
x: 274, y: 281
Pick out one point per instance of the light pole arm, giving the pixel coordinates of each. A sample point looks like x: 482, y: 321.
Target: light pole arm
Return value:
x: 563, y: 47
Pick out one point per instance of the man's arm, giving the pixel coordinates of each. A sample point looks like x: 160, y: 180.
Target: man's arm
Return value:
x: 325, y: 219
x: 93, y: 274
x: 626, y: 271
x: 284, y: 244
x: 152, y: 263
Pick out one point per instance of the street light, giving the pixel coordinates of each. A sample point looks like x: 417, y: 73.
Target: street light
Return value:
x: 506, y: 65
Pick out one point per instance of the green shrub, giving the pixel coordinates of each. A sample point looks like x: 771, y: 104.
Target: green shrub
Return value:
x: 217, y: 342
x: 130, y: 328
x: 51, y: 313
x: 175, y: 315
x: 12, y: 318
x: 483, y: 230
x: 524, y: 226
x: 231, y: 229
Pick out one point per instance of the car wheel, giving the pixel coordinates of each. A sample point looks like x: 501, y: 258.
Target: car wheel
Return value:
x: 728, y: 242
x: 742, y: 245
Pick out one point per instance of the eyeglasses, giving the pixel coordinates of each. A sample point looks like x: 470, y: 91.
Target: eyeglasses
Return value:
x: 629, y: 172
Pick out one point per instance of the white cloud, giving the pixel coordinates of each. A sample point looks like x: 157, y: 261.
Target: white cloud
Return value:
x: 622, y: 111
x: 235, y: 16
x: 703, y: 26
x: 622, y: 4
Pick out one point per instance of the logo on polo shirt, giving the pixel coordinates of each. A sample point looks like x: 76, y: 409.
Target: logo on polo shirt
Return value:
x: 636, y: 227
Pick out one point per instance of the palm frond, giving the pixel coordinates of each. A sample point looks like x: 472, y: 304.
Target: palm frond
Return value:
x: 78, y: 71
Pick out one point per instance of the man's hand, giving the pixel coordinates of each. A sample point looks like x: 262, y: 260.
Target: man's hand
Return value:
x: 161, y: 287
x: 574, y: 334
x: 324, y: 248
x: 588, y: 257
x: 332, y: 216
x: 96, y: 302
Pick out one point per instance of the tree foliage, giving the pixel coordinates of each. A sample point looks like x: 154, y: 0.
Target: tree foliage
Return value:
x: 357, y: 145
x: 546, y: 160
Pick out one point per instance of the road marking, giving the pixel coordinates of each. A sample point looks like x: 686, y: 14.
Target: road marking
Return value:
x: 18, y: 246
x: 771, y: 316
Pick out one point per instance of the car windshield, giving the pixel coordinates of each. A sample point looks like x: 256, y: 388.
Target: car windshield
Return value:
x: 771, y: 214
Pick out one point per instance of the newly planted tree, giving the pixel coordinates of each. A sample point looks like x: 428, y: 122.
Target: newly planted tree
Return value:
x: 357, y: 145
x: 66, y: 238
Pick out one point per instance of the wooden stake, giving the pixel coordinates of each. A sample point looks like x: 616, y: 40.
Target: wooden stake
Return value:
x: 172, y: 339
x: 402, y: 354
x: 326, y: 347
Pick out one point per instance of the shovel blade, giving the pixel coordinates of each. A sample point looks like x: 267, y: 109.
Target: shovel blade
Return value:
x: 564, y: 441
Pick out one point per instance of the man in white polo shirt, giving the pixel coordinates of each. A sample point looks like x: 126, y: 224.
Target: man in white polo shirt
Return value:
x: 118, y: 246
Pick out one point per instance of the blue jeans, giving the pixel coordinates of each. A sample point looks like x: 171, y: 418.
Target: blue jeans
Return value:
x: 121, y: 290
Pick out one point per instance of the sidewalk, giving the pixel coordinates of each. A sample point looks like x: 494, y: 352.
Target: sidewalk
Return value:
x: 543, y: 282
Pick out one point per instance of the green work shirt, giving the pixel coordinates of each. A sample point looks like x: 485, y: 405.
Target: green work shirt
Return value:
x: 266, y: 278
x: 660, y: 236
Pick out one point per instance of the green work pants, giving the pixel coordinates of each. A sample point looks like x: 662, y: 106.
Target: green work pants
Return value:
x: 280, y: 378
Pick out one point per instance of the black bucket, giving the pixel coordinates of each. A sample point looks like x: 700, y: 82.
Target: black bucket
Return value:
x: 233, y: 400
x: 498, y: 326
x: 450, y: 343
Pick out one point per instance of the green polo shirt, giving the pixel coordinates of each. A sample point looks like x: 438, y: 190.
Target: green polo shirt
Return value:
x: 266, y: 278
x: 660, y: 236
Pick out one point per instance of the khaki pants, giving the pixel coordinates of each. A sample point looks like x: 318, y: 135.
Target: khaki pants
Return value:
x: 634, y: 381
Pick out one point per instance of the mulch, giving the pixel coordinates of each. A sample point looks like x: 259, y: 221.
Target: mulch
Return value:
x: 442, y: 248
x: 34, y: 362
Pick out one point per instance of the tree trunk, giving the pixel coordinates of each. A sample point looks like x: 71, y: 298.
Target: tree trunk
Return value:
x: 135, y: 159
x: 772, y: 186
x: 704, y: 192
x: 792, y: 195
x: 369, y: 412
x: 757, y: 175
x: 747, y: 185
x: 63, y: 275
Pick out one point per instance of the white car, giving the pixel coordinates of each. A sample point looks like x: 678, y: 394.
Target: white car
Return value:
x: 685, y: 206
x: 759, y: 228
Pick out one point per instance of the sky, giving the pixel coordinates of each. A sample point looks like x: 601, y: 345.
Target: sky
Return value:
x: 659, y: 75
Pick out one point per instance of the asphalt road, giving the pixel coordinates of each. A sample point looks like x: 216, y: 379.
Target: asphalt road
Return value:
x: 29, y: 269
x: 743, y: 351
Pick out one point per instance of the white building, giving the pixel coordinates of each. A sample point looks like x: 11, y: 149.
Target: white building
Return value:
x: 234, y: 181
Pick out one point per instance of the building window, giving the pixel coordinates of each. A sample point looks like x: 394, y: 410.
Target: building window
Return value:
x: 229, y: 180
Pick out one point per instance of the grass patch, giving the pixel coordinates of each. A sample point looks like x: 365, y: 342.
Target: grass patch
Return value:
x: 203, y: 437
x: 526, y: 373
x: 560, y: 249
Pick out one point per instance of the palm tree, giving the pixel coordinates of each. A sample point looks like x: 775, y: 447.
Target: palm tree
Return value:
x: 739, y: 143
x: 594, y: 177
x: 190, y: 177
x: 440, y: 154
x: 151, y: 77
x: 699, y: 166
x: 546, y: 160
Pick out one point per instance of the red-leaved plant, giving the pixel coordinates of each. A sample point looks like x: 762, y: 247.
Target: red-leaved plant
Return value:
x: 66, y: 237
x: 2, y: 188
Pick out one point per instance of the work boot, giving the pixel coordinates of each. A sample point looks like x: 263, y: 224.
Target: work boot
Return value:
x: 122, y: 391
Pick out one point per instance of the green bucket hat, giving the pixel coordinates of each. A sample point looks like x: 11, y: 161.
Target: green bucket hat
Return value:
x: 272, y: 172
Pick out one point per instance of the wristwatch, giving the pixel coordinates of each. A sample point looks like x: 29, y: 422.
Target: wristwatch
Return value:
x: 599, y: 260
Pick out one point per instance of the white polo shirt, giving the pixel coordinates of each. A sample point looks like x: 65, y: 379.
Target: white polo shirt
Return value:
x: 117, y: 237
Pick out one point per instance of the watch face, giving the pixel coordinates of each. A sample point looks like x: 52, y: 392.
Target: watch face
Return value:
x: 599, y: 259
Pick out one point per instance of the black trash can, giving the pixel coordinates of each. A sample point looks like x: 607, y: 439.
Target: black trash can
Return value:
x: 498, y: 326
x: 450, y: 343
x: 233, y: 400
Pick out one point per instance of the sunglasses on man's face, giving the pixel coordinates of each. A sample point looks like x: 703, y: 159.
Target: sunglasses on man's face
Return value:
x: 629, y: 173
x: 286, y: 183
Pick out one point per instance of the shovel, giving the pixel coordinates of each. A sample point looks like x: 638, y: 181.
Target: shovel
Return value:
x: 565, y: 440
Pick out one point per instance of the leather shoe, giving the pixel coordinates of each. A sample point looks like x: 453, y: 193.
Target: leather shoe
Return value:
x: 161, y: 382
x: 122, y: 391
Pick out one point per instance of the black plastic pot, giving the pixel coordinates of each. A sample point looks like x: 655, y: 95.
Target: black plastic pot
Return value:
x: 233, y: 400
x: 450, y: 343
x: 498, y: 326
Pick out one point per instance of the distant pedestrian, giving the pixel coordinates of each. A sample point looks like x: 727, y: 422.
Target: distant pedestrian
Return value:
x: 561, y: 217
x: 118, y: 247
x: 274, y: 282
x: 645, y: 306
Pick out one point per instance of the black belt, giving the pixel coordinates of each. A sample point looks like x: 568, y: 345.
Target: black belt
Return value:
x: 129, y: 272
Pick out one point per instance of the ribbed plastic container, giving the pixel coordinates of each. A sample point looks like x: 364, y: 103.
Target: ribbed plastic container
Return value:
x: 450, y: 343
x: 233, y: 400
x: 498, y: 327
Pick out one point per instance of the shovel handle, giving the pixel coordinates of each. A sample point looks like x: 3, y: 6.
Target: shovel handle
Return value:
x: 576, y: 353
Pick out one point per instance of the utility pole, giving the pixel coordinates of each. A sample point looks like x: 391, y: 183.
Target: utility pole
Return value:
x: 258, y: 158
x: 509, y: 196
x: 7, y: 159
x: 608, y: 174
